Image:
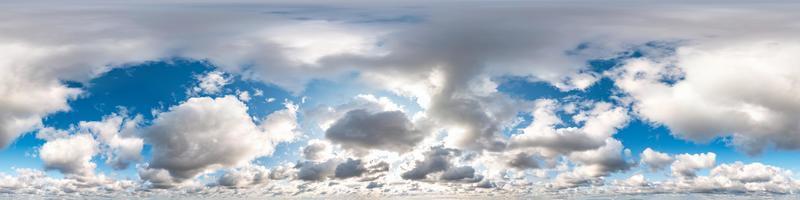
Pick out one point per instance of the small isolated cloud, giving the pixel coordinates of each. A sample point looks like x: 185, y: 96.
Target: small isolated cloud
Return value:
x: 212, y: 82
x: 655, y: 160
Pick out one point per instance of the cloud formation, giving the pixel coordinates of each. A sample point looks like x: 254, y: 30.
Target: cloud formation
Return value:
x: 360, y: 130
x: 71, y: 155
x: 686, y: 165
x: 204, y: 134
x: 655, y: 160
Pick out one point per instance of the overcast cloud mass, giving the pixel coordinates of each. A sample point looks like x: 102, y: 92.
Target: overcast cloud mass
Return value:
x: 548, y: 99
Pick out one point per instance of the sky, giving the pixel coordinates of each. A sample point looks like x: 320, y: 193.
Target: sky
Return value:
x: 461, y: 99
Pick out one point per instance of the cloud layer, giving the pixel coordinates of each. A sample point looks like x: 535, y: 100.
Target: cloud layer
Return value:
x: 431, y: 115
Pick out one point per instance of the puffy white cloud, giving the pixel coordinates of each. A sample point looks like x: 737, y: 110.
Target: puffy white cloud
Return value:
x: 361, y: 131
x: 655, y: 160
x: 687, y: 165
x: 71, y: 155
x: 703, y: 91
x: 204, y: 134
x: 29, y: 94
x: 114, y: 137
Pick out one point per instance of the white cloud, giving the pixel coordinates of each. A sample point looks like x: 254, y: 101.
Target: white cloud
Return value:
x: 205, y: 134
x: 212, y: 82
x: 120, y: 144
x: 243, y: 95
x: 71, y: 155
x: 742, y: 89
x: 687, y: 165
x: 597, y: 123
x: 32, y: 183
x: 655, y: 160
x: 602, y: 161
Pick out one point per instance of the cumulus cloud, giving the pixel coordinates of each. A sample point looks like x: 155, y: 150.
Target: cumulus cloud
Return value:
x: 117, y: 134
x: 687, y: 165
x: 655, y: 160
x: 204, y: 134
x: 523, y: 161
x: 438, y: 159
x: 463, y: 173
x: 71, y: 155
x: 706, y: 91
x: 114, y: 137
x: 349, y: 168
x: 360, y: 130
x: 316, y: 150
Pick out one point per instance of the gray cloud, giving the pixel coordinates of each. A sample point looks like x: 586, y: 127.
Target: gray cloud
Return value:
x: 316, y: 150
x: 247, y: 176
x: 349, y: 168
x: 360, y: 130
x: 463, y: 173
x: 437, y: 159
x: 316, y: 171
x: 523, y: 161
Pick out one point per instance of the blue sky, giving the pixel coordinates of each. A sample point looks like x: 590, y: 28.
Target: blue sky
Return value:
x: 311, y: 99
